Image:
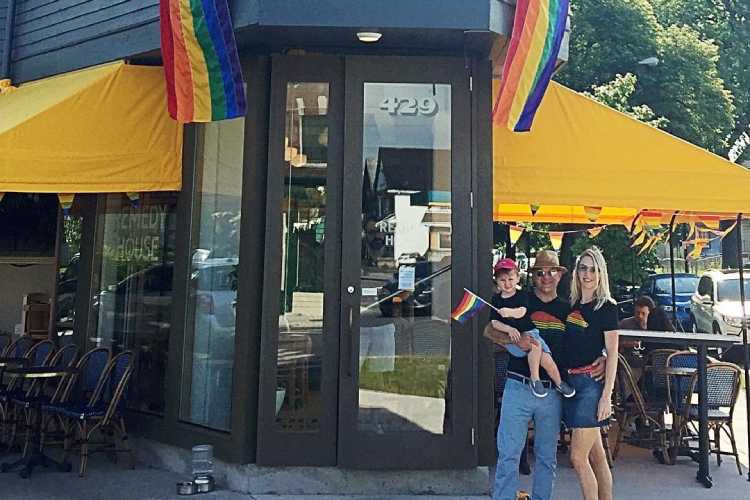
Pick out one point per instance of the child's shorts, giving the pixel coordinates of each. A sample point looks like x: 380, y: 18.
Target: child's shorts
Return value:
x: 534, y: 334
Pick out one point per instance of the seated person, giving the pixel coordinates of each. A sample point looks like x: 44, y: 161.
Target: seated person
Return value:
x: 511, y: 309
x: 642, y: 308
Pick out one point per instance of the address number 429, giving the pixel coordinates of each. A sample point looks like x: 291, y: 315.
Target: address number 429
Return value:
x: 410, y: 106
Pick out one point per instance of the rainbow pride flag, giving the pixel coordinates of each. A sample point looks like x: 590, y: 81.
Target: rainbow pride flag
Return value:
x: 201, y: 65
x: 538, y: 29
x: 469, y: 306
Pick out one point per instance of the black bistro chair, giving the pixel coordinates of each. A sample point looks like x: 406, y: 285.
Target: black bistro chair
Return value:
x: 723, y: 387
x: 102, y: 413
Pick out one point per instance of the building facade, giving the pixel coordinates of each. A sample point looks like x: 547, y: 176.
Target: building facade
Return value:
x: 291, y: 304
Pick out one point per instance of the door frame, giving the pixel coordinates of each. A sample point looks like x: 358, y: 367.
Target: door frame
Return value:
x: 357, y: 449
x: 319, y: 448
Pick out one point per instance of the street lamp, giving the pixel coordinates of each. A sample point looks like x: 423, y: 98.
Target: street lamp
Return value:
x: 649, y: 61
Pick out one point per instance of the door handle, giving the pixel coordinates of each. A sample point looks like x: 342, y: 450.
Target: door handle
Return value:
x: 348, y: 331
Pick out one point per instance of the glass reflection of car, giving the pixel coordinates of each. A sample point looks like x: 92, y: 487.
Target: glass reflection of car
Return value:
x: 419, y: 300
x: 716, y: 306
x: 214, y: 283
x: 659, y: 288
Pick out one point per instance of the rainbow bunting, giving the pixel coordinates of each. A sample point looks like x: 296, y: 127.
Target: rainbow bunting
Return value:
x: 594, y: 231
x: 592, y: 213
x: 556, y: 239
x: 201, y: 65
x: 66, y: 201
x: 515, y: 232
x: 469, y: 306
x: 538, y: 29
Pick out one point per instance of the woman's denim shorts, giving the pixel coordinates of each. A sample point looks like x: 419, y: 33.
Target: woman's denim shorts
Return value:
x: 580, y: 410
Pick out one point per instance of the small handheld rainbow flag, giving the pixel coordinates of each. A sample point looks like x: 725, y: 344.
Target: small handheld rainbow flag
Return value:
x: 469, y: 306
x: 201, y: 65
x: 538, y: 29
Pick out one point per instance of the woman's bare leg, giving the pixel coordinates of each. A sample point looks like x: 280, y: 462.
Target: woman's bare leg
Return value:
x: 550, y: 367
x: 598, y: 459
x: 534, y: 357
x: 581, y: 443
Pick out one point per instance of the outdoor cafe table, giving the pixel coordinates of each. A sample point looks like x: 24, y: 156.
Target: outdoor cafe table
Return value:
x: 702, y: 341
x: 35, y: 456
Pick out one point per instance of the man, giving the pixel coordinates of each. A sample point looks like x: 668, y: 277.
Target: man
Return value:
x: 519, y: 405
x: 642, y: 308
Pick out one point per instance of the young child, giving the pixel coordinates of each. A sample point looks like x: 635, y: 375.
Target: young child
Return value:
x: 511, y: 305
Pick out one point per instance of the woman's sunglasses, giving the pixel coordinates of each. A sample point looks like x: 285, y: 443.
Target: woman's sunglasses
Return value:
x: 541, y: 273
x: 582, y: 268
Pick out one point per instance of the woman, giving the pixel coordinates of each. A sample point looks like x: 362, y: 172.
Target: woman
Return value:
x: 590, y: 331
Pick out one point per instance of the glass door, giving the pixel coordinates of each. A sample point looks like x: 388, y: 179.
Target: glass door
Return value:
x: 406, y: 391
x: 299, y: 343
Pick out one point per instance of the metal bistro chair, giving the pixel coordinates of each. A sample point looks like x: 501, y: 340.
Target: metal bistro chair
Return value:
x: 77, y: 388
x: 41, y: 391
x: 653, y: 382
x: 38, y: 354
x: 16, y: 349
x: 722, y: 386
x: 629, y: 406
x: 103, y: 412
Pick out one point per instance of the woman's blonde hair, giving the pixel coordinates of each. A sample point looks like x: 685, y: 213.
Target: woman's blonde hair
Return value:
x: 601, y: 294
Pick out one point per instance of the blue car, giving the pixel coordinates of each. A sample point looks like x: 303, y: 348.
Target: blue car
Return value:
x: 659, y: 288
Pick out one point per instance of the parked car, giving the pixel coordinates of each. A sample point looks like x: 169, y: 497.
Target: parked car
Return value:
x: 659, y: 288
x: 715, y: 306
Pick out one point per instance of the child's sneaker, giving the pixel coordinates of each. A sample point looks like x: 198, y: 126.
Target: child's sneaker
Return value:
x: 566, y: 390
x: 538, y: 389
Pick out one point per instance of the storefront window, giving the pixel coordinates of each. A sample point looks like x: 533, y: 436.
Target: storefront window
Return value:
x: 210, y: 321
x: 132, y: 306
x: 303, y: 216
x: 405, y: 325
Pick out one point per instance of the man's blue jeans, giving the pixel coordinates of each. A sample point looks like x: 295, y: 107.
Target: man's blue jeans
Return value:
x: 519, y: 406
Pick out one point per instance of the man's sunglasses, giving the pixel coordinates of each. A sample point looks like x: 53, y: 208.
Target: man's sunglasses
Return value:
x: 541, y: 273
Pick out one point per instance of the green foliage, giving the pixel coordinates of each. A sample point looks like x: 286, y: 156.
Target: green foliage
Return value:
x: 614, y: 241
x: 727, y: 24
x: 686, y: 88
x: 617, y: 93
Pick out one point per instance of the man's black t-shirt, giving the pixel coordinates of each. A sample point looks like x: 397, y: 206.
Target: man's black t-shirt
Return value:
x: 584, y: 332
x: 519, y: 299
x: 549, y: 319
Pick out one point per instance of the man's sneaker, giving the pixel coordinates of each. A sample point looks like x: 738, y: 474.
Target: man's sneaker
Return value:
x: 538, y: 389
x: 566, y: 390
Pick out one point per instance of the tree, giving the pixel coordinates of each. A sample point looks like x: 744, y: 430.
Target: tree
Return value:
x: 611, y: 36
x: 617, y: 95
x: 727, y: 24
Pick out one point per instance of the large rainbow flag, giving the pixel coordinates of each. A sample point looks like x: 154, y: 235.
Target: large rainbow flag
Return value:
x: 538, y: 29
x: 201, y: 65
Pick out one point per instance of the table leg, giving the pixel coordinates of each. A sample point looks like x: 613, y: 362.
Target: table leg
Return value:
x: 704, y: 476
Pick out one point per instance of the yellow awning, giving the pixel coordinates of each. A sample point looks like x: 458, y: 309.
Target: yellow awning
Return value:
x: 582, y: 153
x: 99, y: 130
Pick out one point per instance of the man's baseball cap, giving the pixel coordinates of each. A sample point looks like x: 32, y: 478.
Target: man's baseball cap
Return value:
x: 505, y: 264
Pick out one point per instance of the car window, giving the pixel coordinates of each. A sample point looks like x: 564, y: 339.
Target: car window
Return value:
x: 730, y: 290
x: 217, y: 278
x: 683, y: 284
x: 705, y: 287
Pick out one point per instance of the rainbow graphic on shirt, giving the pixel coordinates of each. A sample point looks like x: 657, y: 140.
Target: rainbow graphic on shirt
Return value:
x: 576, y: 318
x: 547, y: 322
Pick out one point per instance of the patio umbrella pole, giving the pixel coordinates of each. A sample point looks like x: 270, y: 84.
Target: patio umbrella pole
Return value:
x: 671, y: 268
x: 744, y: 329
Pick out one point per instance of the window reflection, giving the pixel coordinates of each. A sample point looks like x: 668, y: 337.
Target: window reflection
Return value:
x: 303, y: 216
x: 405, y: 334
x: 132, y: 306
x: 213, y: 274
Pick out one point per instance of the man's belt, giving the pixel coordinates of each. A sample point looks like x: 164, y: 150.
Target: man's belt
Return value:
x: 526, y: 380
x: 582, y: 370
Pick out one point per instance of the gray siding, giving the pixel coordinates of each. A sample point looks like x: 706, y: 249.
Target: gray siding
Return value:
x: 3, y: 19
x: 54, y: 36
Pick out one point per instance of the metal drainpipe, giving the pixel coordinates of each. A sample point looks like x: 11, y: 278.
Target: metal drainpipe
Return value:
x: 745, y: 348
x: 8, y: 42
